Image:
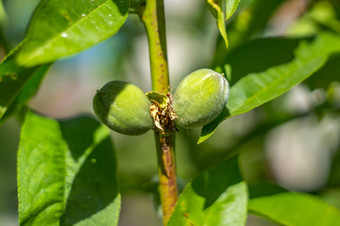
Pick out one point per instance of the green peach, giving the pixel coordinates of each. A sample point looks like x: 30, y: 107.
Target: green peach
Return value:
x: 123, y: 107
x: 200, y: 98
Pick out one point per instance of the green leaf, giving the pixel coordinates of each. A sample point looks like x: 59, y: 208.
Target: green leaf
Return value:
x: 26, y: 92
x: 216, y: 7
x: 17, y: 85
x: 216, y: 197
x: 255, y: 89
x: 222, y: 13
x: 62, y: 28
x: 326, y: 75
x: 159, y: 98
x: 259, y: 55
x: 231, y: 6
x: 325, y: 13
x: 264, y: 189
x: 66, y: 173
x: 295, y: 209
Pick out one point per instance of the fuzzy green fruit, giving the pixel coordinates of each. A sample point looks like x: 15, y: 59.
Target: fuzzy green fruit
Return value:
x: 123, y: 107
x: 200, y: 98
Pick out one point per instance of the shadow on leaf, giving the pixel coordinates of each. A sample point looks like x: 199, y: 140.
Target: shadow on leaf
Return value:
x: 211, y: 184
x: 94, y: 187
x: 73, y: 132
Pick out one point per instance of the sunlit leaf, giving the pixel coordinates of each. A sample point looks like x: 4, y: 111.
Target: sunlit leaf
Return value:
x: 255, y: 89
x: 324, y: 13
x: 216, y: 197
x: 295, y: 209
x: 62, y: 28
x: 216, y: 7
x: 231, y: 6
x: 66, y: 173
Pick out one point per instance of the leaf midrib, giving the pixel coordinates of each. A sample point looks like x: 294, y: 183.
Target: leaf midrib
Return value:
x: 269, y: 86
x: 232, y: 113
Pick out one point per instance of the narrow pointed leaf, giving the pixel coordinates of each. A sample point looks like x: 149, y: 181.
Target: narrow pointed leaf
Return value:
x: 231, y: 6
x: 62, y: 28
x: 255, y: 89
x: 66, y: 173
x: 216, y: 197
x: 216, y: 8
x: 295, y: 209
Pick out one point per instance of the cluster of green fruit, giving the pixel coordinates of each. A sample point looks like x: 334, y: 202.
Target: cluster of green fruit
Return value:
x: 198, y: 100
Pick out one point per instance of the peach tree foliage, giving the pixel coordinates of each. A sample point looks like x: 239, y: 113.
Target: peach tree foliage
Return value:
x: 67, y: 169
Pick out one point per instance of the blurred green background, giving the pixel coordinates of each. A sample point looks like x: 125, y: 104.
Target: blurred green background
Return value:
x: 292, y: 141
